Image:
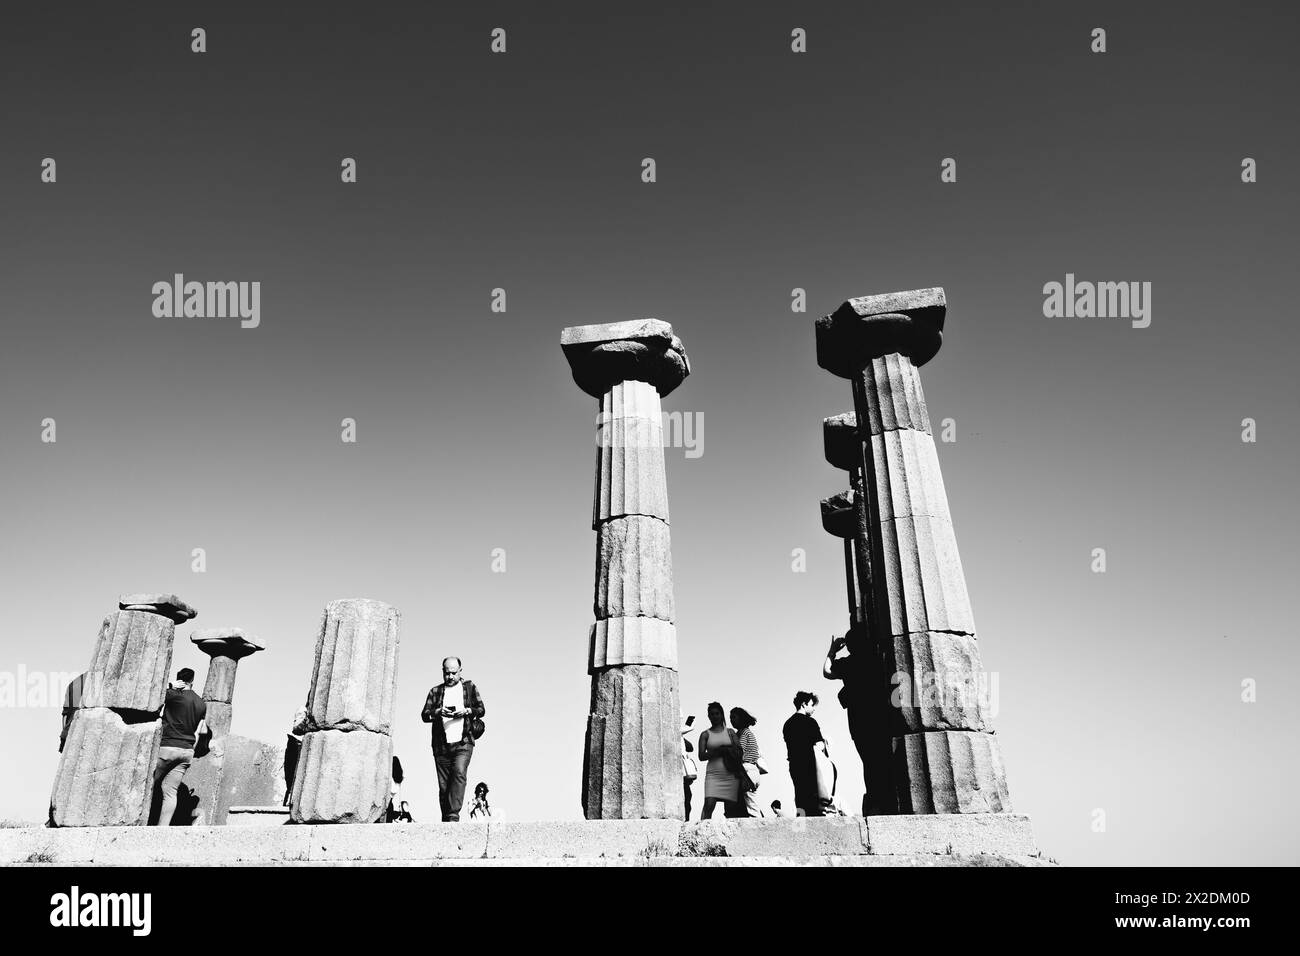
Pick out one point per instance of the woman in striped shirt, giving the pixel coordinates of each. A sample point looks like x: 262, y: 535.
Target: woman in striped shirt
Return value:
x: 754, y: 764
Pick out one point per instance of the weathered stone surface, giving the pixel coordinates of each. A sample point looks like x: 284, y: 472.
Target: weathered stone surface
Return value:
x: 924, y: 577
x: 355, y: 674
x: 908, y: 480
x: 232, y: 642
x: 891, y: 388
x: 238, y: 771
x: 342, y: 777
x: 632, y: 767
x: 219, y: 715
x: 602, y: 356
x: 128, y: 669
x: 168, y: 605
x: 768, y: 837
x: 941, y: 684
x: 634, y: 569
x: 1005, y: 834
x: 842, y: 441
x: 839, y: 514
x: 630, y: 478
x: 950, y: 772
x: 105, y: 773
x: 632, y: 640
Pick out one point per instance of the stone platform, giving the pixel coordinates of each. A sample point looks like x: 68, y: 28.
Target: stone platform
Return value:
x: 932, y: 840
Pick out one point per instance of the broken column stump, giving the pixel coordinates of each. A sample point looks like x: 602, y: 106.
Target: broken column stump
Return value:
x: 632, y: 757
x: 105, y: 775
x: 345, y: 766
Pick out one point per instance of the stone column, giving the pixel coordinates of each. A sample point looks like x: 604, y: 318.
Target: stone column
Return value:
x: 632, y: 763
x: 946, y: 758
x: 226, y: 646
x: 105, y: 775
x: 346, y: 763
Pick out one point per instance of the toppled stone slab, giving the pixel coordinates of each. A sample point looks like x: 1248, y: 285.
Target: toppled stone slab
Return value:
x: 226, y: 641
x: 129, y: 666
x: 342, y: 777
x: 105, y: 775
x: 168, y: 605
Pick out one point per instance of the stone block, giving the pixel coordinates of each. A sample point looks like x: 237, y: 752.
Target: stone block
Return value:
x: 840, y: 514
x: 924, y: 577
x: 129, y: 667
x: 632, y: 767
x: 630, y: 477
x: 342, y: 777
x: 634, y: 569
x: 768, y: 837
x: 355, y: 675
x: 950, y: 772
x: 940, y: 682
x: 583, y: 838
x: 632, y: 640
x: 105, y: 775
x: 1003, y: 834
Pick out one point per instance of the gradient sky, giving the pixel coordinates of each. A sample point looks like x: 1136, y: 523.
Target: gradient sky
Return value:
x: 1118, y: 691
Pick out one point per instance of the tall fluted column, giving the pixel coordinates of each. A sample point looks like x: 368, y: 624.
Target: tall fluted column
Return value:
x: 946, y: 759
x: 105, y: 773
x: 632, y: 762
x: 346, y: 763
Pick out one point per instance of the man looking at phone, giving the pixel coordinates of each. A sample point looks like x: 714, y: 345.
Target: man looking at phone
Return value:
x: 452, y: 707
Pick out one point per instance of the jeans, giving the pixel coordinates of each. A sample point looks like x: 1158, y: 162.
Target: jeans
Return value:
x: 171, y: 767
x: 453, y: 764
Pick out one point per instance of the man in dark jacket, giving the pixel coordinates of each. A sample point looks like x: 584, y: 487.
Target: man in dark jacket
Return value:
x: 182, y: 724
x: 452, y: 707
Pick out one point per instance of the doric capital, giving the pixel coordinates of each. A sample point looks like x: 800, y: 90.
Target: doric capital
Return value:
x: 870, y: 326
x: 842, y: 441
x: 641, y: 350
x: 232, y: 642
x: 839, y: 514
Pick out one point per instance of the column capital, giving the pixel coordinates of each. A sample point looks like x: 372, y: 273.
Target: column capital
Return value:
x: 168, y: 605
x: 232, y: 642
x: 867, y: 327
x: 643, y: 350
x: 839, y: 514
x: 842, y: 441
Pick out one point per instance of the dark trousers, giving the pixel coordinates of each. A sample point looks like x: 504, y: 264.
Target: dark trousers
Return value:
x: 453, y: 765
x: 686, y: 786
x: 804, y: 778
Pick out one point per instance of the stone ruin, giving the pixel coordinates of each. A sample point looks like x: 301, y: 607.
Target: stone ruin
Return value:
x: 346, y: 764
x: 105, y: 775
x: 909, y: 612
x: 632, y: 758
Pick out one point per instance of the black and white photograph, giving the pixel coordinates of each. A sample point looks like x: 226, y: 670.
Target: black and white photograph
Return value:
x: 448, y: 441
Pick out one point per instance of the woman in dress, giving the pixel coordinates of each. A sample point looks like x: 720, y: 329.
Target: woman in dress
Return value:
x: 753, y: 761
x: 721, y: 748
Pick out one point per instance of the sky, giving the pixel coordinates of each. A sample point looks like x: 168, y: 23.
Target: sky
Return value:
x: 1119, y: 692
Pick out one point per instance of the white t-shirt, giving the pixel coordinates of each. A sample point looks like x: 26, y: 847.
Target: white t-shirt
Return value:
x: 454, y: 697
